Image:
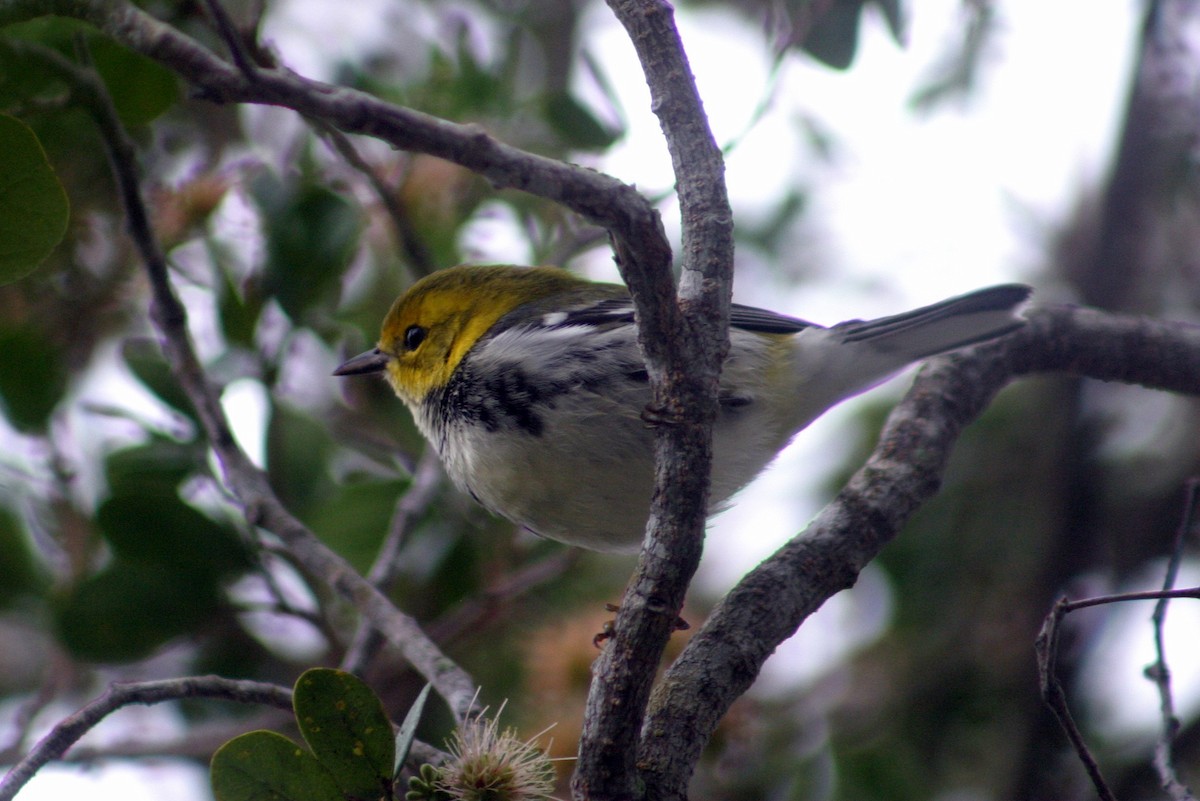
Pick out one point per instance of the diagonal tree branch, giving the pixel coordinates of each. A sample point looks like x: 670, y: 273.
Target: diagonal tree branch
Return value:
x: 770, y: 603
x: 248, y: 483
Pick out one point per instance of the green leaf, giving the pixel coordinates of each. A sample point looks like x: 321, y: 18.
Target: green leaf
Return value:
x: 298, y: 449
x: 18, y: 576
x: 146, y: 361
x: 33, y: 206
x: 32, y: 376
x: 140, y: 88
x: 239, y: 309
x: 408, y: 729
x: 24, y: 79
x: 157, y: 467
x: 162, y: 531
x: 833, y: 40
x: 354, y: 521
x: 344, y: 724
x: 128, y: 609
x: 15, y: 13
x: 265, y: 766
x: 576, y: 124
x: 311, y: 236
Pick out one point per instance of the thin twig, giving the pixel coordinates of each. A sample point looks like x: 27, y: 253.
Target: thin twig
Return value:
x: 70, y: 729
x: 232, y: 38
x: 1159, y: 673
x: 199, y: 742
x: 419, y: 257
x: 1141, y: 595
x: 472, y: 612
x: 426, y: 479
x: 1052, y: 693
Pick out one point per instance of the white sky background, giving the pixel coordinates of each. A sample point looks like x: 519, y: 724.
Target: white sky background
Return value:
x: 909, y: 211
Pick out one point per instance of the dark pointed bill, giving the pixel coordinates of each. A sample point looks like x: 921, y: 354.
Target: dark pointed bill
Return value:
x: 373, y: 361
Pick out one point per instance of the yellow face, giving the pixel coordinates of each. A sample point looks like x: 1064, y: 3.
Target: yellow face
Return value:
x: 431, y: 327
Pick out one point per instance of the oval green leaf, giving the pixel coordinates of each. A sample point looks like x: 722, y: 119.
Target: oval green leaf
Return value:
x: 145, y: 359
x: 164, y: 532
x: 312, y: 233
x: 265, y: 766
x: 156, y: 467
x: 576, y: 124
x: 33, y: 206
x: 344, y: 724
x: 128, y: 609
x: 141, y: 89
x: 17, y: 563
x: 33, y: 375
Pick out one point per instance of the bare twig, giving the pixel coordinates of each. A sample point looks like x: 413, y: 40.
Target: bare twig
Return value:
x: 1122, y: 597
x: 426, y: 479
x: 199, y: 742
x: 233, y: 40
x: 468, y: 616
x: 1047, y: 646
x: 70, y: 729
x: 1159, y: 672
x: 420, y: 259
x: 1052, y: 693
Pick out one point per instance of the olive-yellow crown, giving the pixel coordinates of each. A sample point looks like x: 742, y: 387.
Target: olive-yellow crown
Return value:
x: 432, y: 326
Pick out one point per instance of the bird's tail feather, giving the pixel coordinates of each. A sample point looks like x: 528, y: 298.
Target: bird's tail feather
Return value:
x: 954, y: 323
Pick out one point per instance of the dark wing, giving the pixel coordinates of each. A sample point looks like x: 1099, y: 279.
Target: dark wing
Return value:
x: 762, y: 321
x: 610, y: 311
x: 620, y: 310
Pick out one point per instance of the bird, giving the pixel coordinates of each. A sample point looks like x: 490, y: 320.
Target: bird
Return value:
x: 530, y: 384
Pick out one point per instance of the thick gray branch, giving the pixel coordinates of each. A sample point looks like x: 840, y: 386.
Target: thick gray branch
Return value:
x: 684, y: 341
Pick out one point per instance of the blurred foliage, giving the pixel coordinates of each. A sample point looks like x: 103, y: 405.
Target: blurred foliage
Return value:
x: 827, y: 30
x: 115, y: 530
x: 33, y: 206
x: 957, y: 74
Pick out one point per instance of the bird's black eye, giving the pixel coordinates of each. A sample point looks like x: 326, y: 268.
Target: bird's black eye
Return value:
x: 414, y: 335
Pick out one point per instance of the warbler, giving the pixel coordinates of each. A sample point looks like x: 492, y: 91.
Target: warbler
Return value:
x: 530, y: 384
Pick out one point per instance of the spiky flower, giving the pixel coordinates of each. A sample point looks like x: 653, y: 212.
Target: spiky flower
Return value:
x: 492, y: 765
